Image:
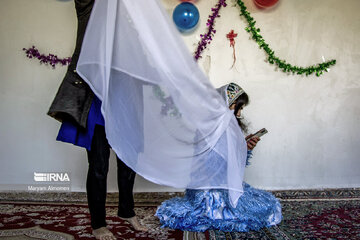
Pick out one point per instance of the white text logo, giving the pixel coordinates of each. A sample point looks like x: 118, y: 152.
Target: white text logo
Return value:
x: 51, y: 177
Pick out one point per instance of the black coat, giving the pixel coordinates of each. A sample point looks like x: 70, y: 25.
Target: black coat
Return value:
x: 74, y: 97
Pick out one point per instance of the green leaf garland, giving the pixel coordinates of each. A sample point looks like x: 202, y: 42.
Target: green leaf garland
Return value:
x: 318, y: 69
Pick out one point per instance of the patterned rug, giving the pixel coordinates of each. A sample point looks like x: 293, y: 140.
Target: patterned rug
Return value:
x: 71, y: 221
x: 309, y: 219
x: 321, y: 214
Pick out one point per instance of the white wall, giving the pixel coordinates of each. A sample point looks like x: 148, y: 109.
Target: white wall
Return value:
x: 313, y: 123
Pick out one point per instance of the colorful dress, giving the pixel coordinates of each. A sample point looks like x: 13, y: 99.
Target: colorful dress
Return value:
x: 200, y: 210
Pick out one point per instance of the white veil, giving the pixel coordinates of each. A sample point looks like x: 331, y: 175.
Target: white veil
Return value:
x: 163, y: 118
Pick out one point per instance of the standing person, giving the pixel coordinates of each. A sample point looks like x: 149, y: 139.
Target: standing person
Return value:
x: 76, y: 106
x: 200, y: 210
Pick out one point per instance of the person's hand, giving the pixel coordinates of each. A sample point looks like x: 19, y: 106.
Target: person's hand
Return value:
x: 251, y: 141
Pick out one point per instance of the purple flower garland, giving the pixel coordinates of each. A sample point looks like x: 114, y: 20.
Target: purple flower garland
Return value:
x: 207, y: 37
x: 49, y: 59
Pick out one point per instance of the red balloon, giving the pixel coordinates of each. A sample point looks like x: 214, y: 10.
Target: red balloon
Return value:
x: 265, y: 3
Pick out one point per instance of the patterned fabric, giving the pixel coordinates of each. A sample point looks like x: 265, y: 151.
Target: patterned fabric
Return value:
x: 249, y: 156
x: 233, y: 92
x: 35, y: 233
x: 322, y: 219
x: 307, y: 214
x: 74, y: 220
x: 201, y: 210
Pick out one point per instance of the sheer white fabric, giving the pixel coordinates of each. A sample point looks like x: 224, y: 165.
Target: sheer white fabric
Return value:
x: 163, y: 118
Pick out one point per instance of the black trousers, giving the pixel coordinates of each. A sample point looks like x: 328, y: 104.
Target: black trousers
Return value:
x: 96, y: 186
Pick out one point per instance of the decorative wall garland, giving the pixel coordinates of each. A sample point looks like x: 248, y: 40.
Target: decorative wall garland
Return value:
x: 49, y: 59
x: 251, y: 28
x: 272, y: 59
x: 207, y: 37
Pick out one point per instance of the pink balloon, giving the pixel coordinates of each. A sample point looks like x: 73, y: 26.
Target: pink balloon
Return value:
x: 265, y: 3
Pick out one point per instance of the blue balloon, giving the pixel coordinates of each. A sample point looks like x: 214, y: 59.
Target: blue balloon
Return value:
x: 186, y: 16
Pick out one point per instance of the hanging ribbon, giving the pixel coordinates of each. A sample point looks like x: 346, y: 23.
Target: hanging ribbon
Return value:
x: 231, y: 36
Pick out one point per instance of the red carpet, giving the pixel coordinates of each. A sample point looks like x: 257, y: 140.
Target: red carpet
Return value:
x: 308, y: 214
x: 73, y: 219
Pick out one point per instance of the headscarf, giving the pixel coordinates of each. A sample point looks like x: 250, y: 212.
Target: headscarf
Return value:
x: 230, y: 92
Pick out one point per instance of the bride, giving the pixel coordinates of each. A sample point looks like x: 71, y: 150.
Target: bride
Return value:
x: 200, y: 210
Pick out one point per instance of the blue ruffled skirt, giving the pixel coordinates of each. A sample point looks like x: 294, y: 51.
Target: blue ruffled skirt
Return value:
x: 200, y: 210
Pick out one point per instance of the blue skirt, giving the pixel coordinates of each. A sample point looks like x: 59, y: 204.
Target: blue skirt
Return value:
x: 200, y: 210
x: 70, y: 132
